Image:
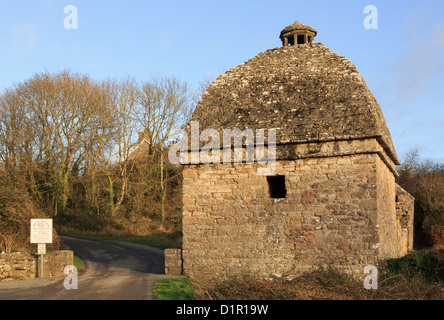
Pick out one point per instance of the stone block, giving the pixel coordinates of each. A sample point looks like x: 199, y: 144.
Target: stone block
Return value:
x: 173, y: 262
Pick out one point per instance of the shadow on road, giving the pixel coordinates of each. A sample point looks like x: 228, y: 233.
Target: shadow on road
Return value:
x: 117, y: 254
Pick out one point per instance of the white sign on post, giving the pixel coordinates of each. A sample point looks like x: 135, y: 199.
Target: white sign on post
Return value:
x: 41, y: 231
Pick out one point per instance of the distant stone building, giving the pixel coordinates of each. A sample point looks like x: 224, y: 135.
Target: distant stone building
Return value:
x: 332, y: 199
x: 143, y: 147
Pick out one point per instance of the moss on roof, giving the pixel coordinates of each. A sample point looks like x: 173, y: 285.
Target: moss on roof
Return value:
x: 307, y: 92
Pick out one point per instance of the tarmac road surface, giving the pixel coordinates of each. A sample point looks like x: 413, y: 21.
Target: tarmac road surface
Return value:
x: 114, y: 271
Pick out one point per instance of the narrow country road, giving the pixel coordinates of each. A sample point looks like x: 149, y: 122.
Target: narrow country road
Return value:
x: 114, y: 271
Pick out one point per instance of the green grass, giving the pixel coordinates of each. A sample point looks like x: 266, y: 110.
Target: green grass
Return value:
x: 424, y: 265
x: 78, y: 263
x: 173, y: 289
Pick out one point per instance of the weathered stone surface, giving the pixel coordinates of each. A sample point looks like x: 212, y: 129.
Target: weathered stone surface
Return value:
x: 17, y: 265
x: 54, y: 263
x: 405, y: 206
x: 173, y: 262
x: 307, y: 92
x: 22, y: 265
x: 318, y: 221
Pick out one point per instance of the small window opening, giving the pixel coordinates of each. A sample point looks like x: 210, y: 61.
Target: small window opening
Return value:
x: 276, y: 187
x: 301, y: 39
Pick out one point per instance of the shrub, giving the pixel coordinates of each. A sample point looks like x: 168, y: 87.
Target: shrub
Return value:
x: 424, y: 180
x: 424, y: 265
x: 327, y: 284
x: 17, y: 208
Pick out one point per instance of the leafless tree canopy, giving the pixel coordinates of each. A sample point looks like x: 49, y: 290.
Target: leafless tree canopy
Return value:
x: 69, y: 142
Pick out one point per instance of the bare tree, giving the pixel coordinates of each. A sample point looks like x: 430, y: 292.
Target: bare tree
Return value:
x: 164, y: 104
x: 424, y: 179
x: 123, y: 97
x: 67, y: 141
x: 49, y: 120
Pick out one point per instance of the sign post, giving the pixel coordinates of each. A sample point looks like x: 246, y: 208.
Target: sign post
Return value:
x: 41, y: 250
x: 41, y: 234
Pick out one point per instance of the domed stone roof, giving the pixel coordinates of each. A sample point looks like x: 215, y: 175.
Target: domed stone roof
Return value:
x: 306, y: 92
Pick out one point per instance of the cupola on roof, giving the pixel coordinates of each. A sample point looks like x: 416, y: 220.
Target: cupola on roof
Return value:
x: 297, y: 33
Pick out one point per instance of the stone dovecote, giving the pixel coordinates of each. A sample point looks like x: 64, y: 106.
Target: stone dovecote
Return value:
x: 331, y: 199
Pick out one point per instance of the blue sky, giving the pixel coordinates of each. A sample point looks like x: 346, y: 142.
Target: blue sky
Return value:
x: 402, y: 61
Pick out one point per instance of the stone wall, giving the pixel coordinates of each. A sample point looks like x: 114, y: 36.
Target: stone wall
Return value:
x: 329, y: 216
x: 21, y: 265
x: 340, y: 210
x: 405, y: 206
x: 18, y: 265
x: 386, y: 222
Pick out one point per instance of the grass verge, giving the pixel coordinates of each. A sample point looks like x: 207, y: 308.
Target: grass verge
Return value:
x: 173, y: 289
x: 78, y: 263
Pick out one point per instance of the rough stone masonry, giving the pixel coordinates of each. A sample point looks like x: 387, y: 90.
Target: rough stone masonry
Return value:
x: 332, y: 199
x: 24, y: 265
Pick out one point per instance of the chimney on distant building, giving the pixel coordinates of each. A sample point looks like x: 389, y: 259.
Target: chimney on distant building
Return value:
x: 144, y: 135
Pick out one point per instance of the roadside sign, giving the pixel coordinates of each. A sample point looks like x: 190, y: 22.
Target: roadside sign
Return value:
x: 41, y: 231
x: 41, y: 248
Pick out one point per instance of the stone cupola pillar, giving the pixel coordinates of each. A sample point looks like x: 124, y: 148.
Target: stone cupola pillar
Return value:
x: 297, y: 34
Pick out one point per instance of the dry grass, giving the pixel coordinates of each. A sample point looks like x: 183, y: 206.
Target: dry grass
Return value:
x: 313, y: 287
x: 320, y: 284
